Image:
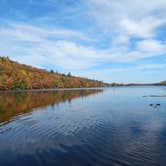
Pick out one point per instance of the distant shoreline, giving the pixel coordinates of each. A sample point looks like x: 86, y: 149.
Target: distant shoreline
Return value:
x: 157, y: 84
x: 75, y: 89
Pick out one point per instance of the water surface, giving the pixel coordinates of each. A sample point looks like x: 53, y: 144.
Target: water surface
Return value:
x: 113, y: 126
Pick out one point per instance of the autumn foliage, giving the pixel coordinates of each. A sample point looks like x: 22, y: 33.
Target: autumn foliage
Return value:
x: 19, y: 76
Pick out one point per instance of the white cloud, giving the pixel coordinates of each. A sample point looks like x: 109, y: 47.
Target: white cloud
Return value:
x: 143, y: 28
x: 129, y: 17
x: 151, y: 46
x: 32, y: 44
x: 120, y: 40
x: 27, y: 32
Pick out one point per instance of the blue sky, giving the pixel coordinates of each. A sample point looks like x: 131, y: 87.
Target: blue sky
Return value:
x: 110, y: 40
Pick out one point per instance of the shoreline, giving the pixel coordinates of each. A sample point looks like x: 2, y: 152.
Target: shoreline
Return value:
x: 49, y: 89
x: 70, y: 89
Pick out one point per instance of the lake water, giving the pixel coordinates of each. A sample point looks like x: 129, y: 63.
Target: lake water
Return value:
x: 110, y: 126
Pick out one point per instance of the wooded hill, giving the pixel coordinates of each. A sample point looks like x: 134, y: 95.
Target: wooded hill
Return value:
x: 14, y: 75
x: 162, y: 83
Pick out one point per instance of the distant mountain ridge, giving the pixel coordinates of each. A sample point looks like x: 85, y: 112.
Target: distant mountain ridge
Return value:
x: 146, y: 84
x: 162, y: 83
x: 14, y: 75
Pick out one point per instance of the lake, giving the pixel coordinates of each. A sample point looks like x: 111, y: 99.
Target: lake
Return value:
x: 93, y: 127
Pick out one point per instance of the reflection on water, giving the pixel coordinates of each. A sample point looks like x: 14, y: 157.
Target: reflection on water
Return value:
x: 12, y: 104
x: 115, y: 127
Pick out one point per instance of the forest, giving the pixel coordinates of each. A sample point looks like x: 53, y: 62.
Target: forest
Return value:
x: 14, y: 76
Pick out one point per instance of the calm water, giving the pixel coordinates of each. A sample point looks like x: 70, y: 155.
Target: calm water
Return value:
x: 113, y: 126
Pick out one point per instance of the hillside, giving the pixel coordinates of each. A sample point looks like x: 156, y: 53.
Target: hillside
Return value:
x: 163, y: 83
x: 19, y: 76
x: 146, y: 84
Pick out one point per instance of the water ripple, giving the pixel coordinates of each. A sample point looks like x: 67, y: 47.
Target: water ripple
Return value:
x: 83, y: 132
